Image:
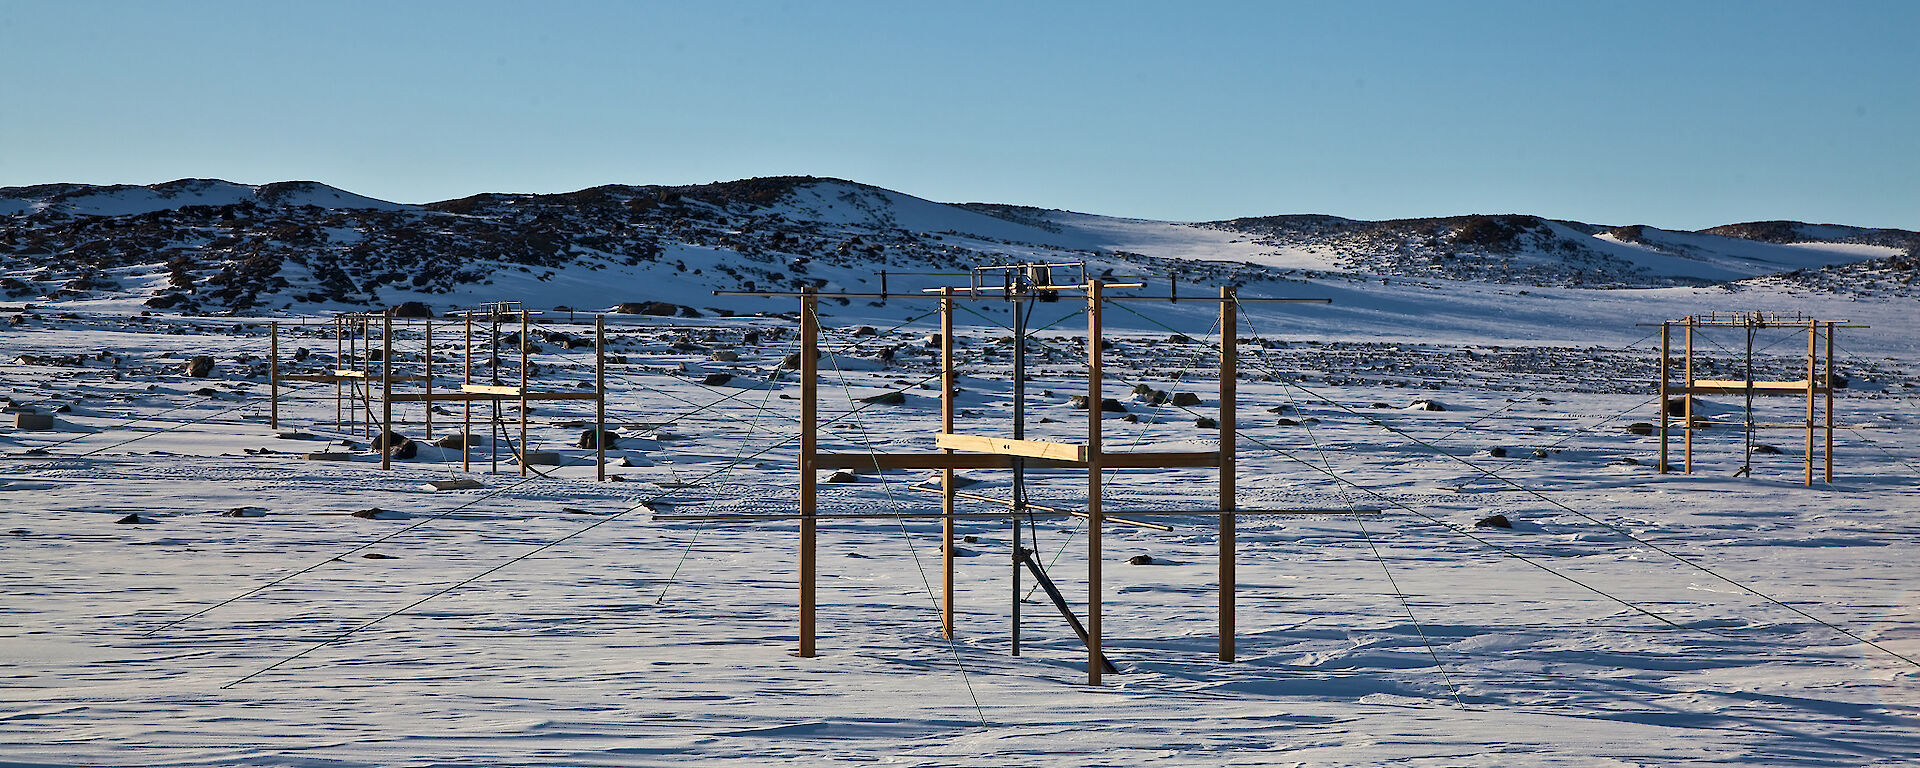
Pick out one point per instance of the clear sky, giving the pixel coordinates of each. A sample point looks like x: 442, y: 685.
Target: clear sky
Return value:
x: 1679, y: 114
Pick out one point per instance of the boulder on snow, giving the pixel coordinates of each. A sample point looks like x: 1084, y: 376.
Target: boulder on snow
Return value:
x: 412, y: 310
x: 1495, y: 521
x: 199, y: 366
x: 598, y: 439
x: 458, y: 441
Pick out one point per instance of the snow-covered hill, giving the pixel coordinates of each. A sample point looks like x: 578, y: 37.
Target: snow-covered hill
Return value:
x: 212, y: 246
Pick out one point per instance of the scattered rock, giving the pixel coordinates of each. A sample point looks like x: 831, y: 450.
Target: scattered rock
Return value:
x: 412, y: 310
x: 844, y: 476
x: 374, y: 513
x: 1767, y: 449
x: 866, y: 330
x: 1426, y: 405
x: 1540, y: 453
x: 1675, y: 407
x: 33, y: 421
x: 970, y: 539
x: 328, y: 456
x: 1282, y: 408
x: 458, y: 441
x: 1640, y: 428
x: 1496, y: 521
x: 199, y: 366
x: 406, y: 450
x: 1288, y: 423
x: 598, y: 439
x: 1140, y: 560
x: 377, y: 556
x: 1205, y: 422
x: 890, y: 398
x: 724, y: 356
x: 716, y: 379
x: 959, y: 481
x: 1381, y: 405
x: 385, y: 439
x: 575, y: 511
x: 1497, y: 452
x: 1181, y: 399
x: 133, y: 519
x: 1628, y: 461
x: 244, y: 512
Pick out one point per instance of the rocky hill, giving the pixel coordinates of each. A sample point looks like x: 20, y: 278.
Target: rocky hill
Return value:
x: 211, y: 246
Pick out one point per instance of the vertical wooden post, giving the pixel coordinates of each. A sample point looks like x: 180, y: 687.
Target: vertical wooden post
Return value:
x: 386, y: 391
x: 524, y: 330
x: 366, y: 367
x: 339, y: 349
x: 600, y: 397
x: 1229, y: 415
x: 1666, y: 355
x: 428, y: 403
x: 466, y: 406
x: 1813, y: 352
x: 1686, y: 413
x: 809, y: 444
x: 1829, y: 417
x: 946, y: 475
x: 273, y: 375
x: 1095, y: 517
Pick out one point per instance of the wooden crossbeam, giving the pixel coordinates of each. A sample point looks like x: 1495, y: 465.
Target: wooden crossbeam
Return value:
x: 1036, y: 449
x: 1739, y: 387
x: 873, y: 462
x: 777, y: 516
x: 435, y: 397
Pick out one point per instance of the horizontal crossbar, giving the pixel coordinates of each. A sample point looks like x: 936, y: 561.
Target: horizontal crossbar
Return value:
x: 869, y: 462
x: 1037, y: 449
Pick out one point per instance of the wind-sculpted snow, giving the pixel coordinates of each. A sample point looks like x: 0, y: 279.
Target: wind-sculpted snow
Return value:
x: 250, y: 618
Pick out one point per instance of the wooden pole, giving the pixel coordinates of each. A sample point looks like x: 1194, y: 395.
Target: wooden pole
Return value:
x: 339, y: 348
x: 273, y: 375
x: 600, y: 397
x: 1666, y: 352
x: 366, y: 366
x: 428, y: 355
x: 1229, y: 392
x: 1829, y: 411
x: 809, y: 445
x: 1686, y: 429
x: 1094, y: 514
x: 466, y: 420
x: 386, y: 391
x: 1813, y: 352
x: 946, y: 475
x: 523, y: 390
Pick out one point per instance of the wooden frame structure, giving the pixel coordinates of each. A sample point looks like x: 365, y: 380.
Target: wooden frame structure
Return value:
x: 494, y: 390
x: 963, y: 451
x: 1817, y: 387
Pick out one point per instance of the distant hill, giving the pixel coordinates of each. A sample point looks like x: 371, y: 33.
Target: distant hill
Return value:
x: 203, y: 245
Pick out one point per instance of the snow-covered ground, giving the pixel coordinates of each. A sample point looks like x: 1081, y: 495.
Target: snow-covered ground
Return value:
x: 1627, y: 619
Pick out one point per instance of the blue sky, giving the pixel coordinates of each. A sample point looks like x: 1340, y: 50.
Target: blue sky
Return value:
x: 1675, y: 114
